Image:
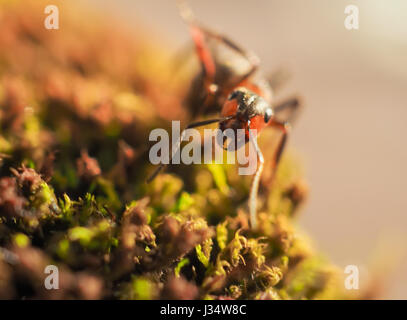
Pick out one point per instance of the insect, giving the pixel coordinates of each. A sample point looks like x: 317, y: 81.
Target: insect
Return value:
x: 231, y: 82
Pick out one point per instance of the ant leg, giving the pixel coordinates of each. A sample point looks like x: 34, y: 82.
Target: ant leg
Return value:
x: 253, y: 60
x: 198, y: 37
x: 284, y: 127
x: 207, y: 86
x: 287, y: 110
x: 197, y: 32
x: 204, y: 54
x: 175, y: 150
x: 255, y: 184
x: 250, y: 57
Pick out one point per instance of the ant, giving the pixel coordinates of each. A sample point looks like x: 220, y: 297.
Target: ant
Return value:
x: 244, y: 98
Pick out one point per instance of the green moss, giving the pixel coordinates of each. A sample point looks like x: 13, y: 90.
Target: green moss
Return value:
x: 21, y: 240
x: 177, y: 270
x: 203, y: 252
x: 73, y: 177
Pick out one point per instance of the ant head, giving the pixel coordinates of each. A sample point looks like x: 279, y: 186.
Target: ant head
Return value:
x: 248, y: 105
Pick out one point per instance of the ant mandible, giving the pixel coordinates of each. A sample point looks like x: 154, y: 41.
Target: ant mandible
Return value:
x: 244, y: 98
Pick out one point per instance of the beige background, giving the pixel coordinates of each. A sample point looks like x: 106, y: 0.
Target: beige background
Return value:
x: 353, y: 129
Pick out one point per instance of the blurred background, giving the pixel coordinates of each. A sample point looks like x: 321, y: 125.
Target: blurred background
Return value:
x: 351, y: 133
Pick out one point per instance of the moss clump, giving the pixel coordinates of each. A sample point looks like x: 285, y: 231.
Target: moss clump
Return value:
x: 76, y: 109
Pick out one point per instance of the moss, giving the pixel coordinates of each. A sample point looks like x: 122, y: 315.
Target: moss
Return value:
x: 73, y: 191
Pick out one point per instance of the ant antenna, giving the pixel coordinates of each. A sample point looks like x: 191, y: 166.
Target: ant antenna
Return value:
x: 177, y: 146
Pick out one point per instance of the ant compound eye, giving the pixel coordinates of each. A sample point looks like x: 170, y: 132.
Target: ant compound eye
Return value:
x: 233, y: 95
x: 267, y: 115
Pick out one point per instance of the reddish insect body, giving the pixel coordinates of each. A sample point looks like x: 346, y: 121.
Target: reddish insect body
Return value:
x: 230, y: 83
